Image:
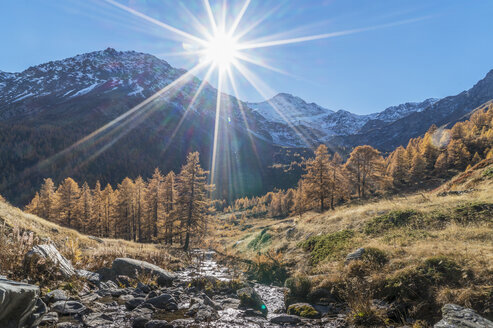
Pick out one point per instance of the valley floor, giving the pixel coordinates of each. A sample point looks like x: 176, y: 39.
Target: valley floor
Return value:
x: 422, y: 250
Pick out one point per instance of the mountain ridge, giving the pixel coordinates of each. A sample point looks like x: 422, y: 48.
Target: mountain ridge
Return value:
x: 48, y: 108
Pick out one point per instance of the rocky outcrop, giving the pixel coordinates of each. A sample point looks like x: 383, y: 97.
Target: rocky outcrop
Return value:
x: 356, y: 255
x: 250, y: 299
x: 20, y: 305
x: 132, y: 268
x: 50, y: 253
x: 455, y: 316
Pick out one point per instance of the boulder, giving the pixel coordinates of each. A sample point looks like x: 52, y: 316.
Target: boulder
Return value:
x: 304, y: 310
x: 55, y: 296
x: 68, y: 307
x: 139, y: 322
x: 356, y: 255
x: 455, y: 316
x: 285, y: 319
x: 158, y: 324
x: 92, y: 277
x: 20, y: 305
x: 50, y: 318
x: 50, y: 253
x: 134, y: 302
x: 164, y: 301
x: 132, y: 268
x: 250, y: 299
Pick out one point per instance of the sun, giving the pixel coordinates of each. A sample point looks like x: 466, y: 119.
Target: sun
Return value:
x: 221, y: 49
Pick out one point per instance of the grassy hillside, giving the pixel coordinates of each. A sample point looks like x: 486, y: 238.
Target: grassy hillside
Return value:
x: 422, y: 250
x: 19, y: 231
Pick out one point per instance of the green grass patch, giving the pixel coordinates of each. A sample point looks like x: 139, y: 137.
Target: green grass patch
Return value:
x: 327, y: 246
x: 261, y: 240
x: 488, y: 172
x: 474, y: 212
x: 393, y: 219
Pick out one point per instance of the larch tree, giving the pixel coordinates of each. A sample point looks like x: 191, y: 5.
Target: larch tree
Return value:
x: 98, y: 209
x: 418, y: 167
x: 441, y: 164
x: 192, y: 202
x: 48, y: 200
x: 154, y: 203
x: 108, y: 211
x: 398, y: 168
x: 125, y: 225
x: 457, y: 154
x: 365, y: 165
x: 169, y: 199
x: 338, y: 181
x: 317, y: 178
x: 140, y: 208
x: 68, y: 195
x: 85, y: 208
x: 299, y: 204
x: 34, y: 205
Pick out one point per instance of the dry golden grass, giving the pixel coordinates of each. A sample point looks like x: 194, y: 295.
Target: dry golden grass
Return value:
x: 84, y: 251
x: 470, y: 245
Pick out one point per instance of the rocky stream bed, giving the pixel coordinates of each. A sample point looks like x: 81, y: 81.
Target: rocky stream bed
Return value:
x: 203, y: 295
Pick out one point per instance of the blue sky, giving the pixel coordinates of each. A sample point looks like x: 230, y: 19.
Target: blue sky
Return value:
x: 434, y: 49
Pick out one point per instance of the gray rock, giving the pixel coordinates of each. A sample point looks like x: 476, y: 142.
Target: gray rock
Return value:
x: 356, y: 255
x: 131, y: 268
x: 133, y: 303
x: 180, y: 323
x: 20, y: 305
x: 139, y: 322
x: 97, y: 320
x: 55, y: 296
x: 93, y: 277
x: 68, y: 307
x: 249, y: 298
x: 158, y: 324
x: 68, y: 325
x: 285, y: 319
x: 164, y: 301
x: 455, y: 316
x: 49, y: 252
x: 49, y: 318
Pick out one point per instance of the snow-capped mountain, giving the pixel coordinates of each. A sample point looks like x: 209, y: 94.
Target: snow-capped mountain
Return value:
x: 286, y: 113
x: 49, y: 107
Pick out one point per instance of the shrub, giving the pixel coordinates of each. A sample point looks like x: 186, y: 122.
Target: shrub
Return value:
x: 474, y: 212
x: 327, y: 246
x: 261, y: 240
x: 298, y: 289
x: 375, y: 258
x: 211, y: 285
x: 304, y: 310
x: 268, y: 268
x: 441, y: 270
x: 418, y: 283
x: 394, y: 219
x: 488, y: 172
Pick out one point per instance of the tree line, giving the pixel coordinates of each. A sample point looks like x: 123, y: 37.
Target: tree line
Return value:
x: 176, y: 208
x: 169, y: 209
x: 329, y: 181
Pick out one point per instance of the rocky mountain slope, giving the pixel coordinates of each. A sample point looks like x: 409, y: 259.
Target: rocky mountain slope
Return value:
x: 286, y: 113
x: 47, y: 108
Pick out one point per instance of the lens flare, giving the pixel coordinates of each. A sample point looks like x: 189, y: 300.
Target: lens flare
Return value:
x: 221, y: 50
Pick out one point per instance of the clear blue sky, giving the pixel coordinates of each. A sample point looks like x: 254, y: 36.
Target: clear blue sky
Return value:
x: 446, y: 50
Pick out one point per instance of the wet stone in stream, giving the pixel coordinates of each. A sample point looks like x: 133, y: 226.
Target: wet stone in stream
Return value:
x: 178, y: 305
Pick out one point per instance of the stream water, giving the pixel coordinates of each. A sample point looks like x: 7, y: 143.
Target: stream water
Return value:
x: 273, y: 296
